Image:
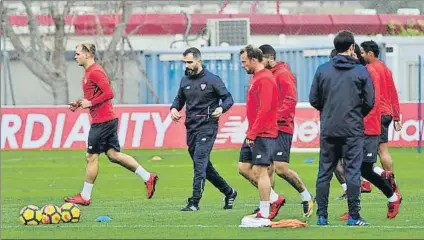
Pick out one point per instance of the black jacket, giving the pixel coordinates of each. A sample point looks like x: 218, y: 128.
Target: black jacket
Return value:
x: 202, y: 94
x: 343, y: 92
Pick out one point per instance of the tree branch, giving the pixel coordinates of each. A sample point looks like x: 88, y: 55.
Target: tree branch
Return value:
x: 14, y: 39
x: 119, y: 30
x: 37, y: 43
x: 59, y: 37
x: 27, y: 57
x: 110, y: 59
x: 67, y: 7
x: 42, y: 68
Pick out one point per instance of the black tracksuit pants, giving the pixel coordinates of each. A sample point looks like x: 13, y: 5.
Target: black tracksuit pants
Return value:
x: 331, y: 150
x: 200, y: 143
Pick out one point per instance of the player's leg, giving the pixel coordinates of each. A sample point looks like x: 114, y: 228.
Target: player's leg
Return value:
x: 129, y: 162
x: 91, y: 172
x: 339, y: 173
x: 383, y: 152
x: 281, y: 161
x: 330, y: 153
x: 264, y: 187
x: 213, y: 177
x: 96, y: 139
x: 383, y: 149
x: 263, y: 150
x: 191, y: 143
x: 245, y: 168
x: 370, y: 158
x: 230, y: 193
x: 245, y: 164
x: 353, y: 153
x: 203, y: 141
x: 385, y: 157
x: 115, y: 156
x: 271, y: 175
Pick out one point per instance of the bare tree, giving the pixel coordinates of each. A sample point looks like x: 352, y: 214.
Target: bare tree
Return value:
x: 111, y: 57
x: 49, y: 64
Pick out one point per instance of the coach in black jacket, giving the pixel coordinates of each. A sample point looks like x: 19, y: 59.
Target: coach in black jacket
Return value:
x: 201, y: 92
x: 343, y: 92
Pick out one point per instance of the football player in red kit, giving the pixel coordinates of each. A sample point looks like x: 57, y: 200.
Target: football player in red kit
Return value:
x: 103, y: 135
x: 258, y: 149
x: 389, y: 109
x: 287, y: 99
x: 372, y: 131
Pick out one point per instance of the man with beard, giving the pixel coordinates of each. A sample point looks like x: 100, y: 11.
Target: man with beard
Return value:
x: 287, y: 99
x: 201, y: 91
x: 258, y: 148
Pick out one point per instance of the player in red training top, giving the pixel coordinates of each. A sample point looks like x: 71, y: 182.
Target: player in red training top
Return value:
x: 389, y: 108
x: 372, y: 131
x: 287, y: 99
x: 103, y: 136
x: 258, y: 149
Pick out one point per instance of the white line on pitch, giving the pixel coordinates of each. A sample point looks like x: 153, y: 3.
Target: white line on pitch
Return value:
x: 110, y: 225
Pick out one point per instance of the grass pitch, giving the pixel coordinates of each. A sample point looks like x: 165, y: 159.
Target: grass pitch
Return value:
x: 42, y: 177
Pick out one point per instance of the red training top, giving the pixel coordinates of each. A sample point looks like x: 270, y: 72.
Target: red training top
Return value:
x: 372, y: 122
x: 287, y: 99
x: 389, y: 97
x: 261, y: 106
x: 97, y: 89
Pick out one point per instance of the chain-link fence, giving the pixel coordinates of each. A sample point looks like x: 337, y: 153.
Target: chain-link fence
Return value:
x: 39, y: 38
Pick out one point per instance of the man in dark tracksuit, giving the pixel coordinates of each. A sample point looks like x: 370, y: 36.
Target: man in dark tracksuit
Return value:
x: 201, y: 92
x: 343, y: 92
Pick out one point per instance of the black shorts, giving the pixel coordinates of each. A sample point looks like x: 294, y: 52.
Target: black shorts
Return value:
x: 370, y: 149
x: 260, y: 154
x: 103, y: 136
x: 282, y: 147
x: 385, y: 123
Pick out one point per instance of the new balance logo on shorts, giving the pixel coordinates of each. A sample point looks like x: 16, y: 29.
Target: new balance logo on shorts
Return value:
x: 369, y: 154
x: 279, y: 153
x: 258, y: 156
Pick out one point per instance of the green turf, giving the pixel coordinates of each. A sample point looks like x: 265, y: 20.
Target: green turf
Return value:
x: 42, y: 177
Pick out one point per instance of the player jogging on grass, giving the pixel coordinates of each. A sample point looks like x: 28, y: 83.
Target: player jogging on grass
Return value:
x: 372, y: 130
x: 103, y: 136
x: 389, y: 109
x: 286, y: 84
x: 258, y: 148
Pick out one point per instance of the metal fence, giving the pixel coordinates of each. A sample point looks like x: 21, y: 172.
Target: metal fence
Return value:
x: 165, y: 69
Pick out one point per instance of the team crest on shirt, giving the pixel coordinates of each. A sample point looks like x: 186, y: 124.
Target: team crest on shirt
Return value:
x: 203, y: 86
